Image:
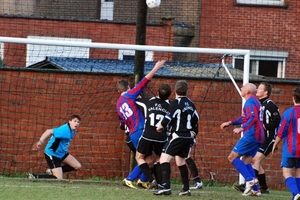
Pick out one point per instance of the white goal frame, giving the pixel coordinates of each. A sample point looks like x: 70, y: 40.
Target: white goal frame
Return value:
x: 243, y: 52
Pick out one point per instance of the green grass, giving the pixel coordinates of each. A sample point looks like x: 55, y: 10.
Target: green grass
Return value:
x: 28, y: 189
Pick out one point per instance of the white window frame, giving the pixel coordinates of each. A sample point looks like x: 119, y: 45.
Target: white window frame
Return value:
x: 262, y: 2
x: 257, y: 55
x: 36, y: 53
x: 2, y: 51
x: 107, y: 10
x: 148, y: 54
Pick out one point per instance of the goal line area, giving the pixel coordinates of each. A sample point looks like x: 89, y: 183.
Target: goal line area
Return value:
x: 45, y: 80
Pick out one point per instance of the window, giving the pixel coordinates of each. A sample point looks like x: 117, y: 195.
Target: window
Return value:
x: 129, y: 55
x: 107, y: 9
x: 36, y: 53
x: 262, y: 2
x: 265, y: 63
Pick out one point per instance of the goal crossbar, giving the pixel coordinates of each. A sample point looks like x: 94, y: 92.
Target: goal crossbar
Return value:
x: 123, y: 46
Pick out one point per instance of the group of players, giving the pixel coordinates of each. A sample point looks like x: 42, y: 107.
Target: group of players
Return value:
x: 159, y: 132
x: 263, y: 129
x: 163, y: 130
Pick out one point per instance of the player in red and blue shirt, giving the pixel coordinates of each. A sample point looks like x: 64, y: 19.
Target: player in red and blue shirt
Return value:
x: 253, y: 137
x: 289, y: 132
x: 131, y: 116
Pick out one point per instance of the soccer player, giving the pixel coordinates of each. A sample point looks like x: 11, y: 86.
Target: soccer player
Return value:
x: 130, y: 114
x: 271, y: 119
x: 253, y: 137
x: 289, y: 132
x: 56, y: 151
x: 151, y: 140
x: 182, y: 118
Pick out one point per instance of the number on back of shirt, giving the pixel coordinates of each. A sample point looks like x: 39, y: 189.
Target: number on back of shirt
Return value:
x: 155, y: 119
x: 126, y: 110
x: 177, y: 114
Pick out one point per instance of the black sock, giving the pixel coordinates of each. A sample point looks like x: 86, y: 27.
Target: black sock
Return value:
x: 44, y: 176
x: 158, y: 173
x: 262, y: 181
x: 193, y: 168
x: 184, y: 177
x: 146, y: 171
x: 166, y: 175
x: 153, y: 171
x: 68, y: 168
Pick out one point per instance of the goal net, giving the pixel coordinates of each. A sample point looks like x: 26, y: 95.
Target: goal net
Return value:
x: 55, y: 78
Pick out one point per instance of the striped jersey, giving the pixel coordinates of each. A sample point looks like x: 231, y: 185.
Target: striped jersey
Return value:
x: 289, y: 131
x: 128, y: 111
x: 251, y: 121
x: 271, y: 117
x: 60, y: 141
x: 155, y: 111
x: 182, y: 117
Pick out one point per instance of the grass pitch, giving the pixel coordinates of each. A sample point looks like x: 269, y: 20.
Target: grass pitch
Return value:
x: 38, y: 189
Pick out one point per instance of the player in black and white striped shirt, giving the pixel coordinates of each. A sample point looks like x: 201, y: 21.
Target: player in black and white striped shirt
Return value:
x: 182, y: 118
x: 151, y: 141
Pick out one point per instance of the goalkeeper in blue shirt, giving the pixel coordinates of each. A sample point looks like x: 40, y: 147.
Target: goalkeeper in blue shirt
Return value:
x: 56, y: 151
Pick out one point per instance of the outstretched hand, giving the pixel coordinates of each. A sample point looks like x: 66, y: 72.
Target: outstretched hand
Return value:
x: 159, y: 64
x: 225, y: 124
x: 37, y: 146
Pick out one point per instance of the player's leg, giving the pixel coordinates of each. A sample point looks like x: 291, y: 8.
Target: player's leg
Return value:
x: 54, y: 164
x: 70, y: 163
x: 248, y: 151
x: 264, y: 150
x: 145, y: 160
x: 194, y: 171
x: 297, y: 178
x: 156, y: 170
x: 136, y: 172
x: 259, y: 171
x: 180, y: 162
x: 290, y: 180
x: 166, y: 175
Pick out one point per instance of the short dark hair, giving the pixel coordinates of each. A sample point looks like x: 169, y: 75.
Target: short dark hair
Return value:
x: 73, y: 116
x: 122, y: 85
x: 268, y: 88
x: 181, y: 87
x: 296, y: 95
x: 164, y: 91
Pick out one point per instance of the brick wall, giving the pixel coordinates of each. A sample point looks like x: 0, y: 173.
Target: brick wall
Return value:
x: 101, y: 32
x: 32, y: 102
x: 224, y: 25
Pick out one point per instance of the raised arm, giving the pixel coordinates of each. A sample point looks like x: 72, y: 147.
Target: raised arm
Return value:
x: 157, y: 66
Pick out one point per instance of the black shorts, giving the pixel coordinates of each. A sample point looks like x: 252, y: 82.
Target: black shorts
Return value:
x: 54, y: 162
x: 178, y: 146
x: 266, y: 147
x: 147, y: 146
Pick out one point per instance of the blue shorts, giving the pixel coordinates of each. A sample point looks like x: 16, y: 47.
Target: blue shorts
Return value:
x: 135, y: 137
x: 246, y: 148
x: 290, y: 162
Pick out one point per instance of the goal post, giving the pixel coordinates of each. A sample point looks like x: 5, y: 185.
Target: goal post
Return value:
x: 80, y: 76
